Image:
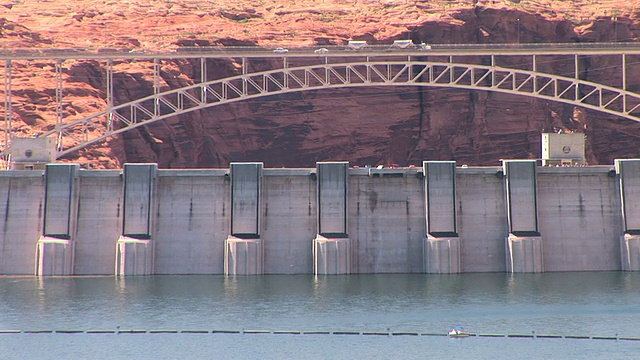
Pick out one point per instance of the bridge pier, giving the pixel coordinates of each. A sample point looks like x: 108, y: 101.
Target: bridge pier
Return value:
x: 243, y: 247
x: 629, y: 180
x: 135, y: 247
x: 441, y: 249
x: 55, y: 248
x: 524, y: 246
x: 331, y: 246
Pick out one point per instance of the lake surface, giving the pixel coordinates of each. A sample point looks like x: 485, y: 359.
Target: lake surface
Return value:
x: 328, y: 317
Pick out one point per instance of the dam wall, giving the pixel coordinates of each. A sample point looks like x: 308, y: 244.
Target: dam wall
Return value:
x: 187, y: 221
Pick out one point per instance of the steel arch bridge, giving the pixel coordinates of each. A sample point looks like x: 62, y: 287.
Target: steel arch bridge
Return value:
x: 335, y: 68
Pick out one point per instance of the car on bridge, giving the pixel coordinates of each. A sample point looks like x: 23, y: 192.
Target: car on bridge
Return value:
x: 280, y: 50
x: 321, y: 51
x: 423, y: 46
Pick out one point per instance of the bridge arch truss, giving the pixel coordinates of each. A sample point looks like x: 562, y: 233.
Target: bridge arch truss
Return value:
x: 353, y: 71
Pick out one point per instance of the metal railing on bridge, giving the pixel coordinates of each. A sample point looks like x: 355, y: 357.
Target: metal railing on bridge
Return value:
x: 358, y: 63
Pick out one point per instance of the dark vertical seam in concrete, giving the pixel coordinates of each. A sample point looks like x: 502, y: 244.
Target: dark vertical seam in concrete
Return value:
x: 6, y: 215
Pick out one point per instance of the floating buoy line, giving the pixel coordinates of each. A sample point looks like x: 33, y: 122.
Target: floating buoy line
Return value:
x: 532, y: 335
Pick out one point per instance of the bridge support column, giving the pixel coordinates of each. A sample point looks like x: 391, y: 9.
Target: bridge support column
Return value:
x: 331, y: 246
x: 135, y: 247
x: 524, y: 246
x: 243, y: 247
x: 55, y: 248
x: 629, y: 175
x: 441, y: 249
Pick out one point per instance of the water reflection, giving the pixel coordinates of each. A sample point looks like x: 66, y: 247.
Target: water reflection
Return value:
x: 602, y: 304
x: 599, y: 303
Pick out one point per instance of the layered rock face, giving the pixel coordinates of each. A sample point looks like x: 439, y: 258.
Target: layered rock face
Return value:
x: 376, y: 125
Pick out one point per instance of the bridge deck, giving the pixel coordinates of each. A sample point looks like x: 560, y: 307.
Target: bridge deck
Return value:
x: 485, y: 67
x: 612, y: 48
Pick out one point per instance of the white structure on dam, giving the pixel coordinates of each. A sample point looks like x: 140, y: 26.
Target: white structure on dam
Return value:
x: 333, y: 219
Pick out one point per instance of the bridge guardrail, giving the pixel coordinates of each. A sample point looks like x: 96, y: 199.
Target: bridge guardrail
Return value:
x: 27, y: 53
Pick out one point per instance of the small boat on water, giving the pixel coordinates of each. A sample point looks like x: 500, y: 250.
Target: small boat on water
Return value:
x: 458, y: 331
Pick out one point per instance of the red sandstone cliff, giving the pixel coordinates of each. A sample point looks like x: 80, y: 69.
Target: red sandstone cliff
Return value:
x: 364, y: 126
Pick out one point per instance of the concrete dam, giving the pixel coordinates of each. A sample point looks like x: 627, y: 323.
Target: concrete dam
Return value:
x: 331, y: 219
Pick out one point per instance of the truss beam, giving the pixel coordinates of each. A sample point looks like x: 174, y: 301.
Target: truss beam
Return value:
x: 491, y: 73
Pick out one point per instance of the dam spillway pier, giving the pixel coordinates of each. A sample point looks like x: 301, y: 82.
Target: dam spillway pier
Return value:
x: 134, y: 247
x: 524, y: 243
x: 55, y: 248
x: 332, y: 219
x: 331, y: 244
x: 243, y: 246
x: 442, y: 246
x: 629, y: 175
